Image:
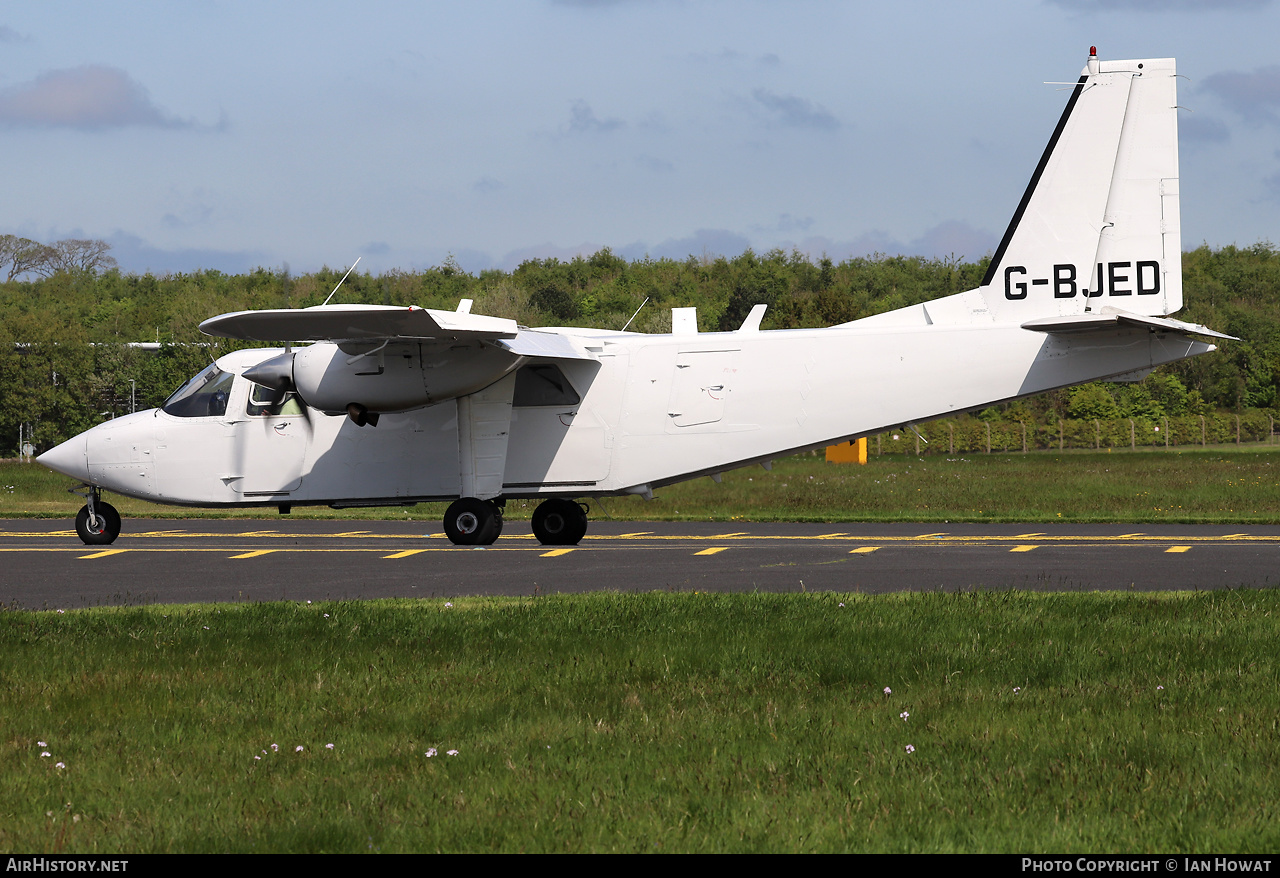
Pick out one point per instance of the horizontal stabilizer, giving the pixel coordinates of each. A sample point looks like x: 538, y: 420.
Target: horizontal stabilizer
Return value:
x: 348, y: 322
x: 1109, y: 318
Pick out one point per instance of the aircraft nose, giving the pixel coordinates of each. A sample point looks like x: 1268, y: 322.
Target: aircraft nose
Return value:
x: 71, y: 458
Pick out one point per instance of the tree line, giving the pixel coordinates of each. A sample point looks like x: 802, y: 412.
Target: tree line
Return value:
x: 66, y: 319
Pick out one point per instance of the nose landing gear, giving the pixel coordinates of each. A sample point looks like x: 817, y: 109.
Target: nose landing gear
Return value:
x: 97, y: 522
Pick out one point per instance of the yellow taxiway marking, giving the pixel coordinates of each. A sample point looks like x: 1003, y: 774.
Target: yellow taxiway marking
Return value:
x: 103, y: 554
x: 1176, y: 549
x: 253, y: 554
x: 555, y: 553
x: 712, y: 550
x: 642, y: 533
x: 863, y: 550
x: 1027, y: 536
x: 927, y: 536
x: 741, y: 533
x: 1125, y: 536
x: 404, y: 554
x: 1023, y: 548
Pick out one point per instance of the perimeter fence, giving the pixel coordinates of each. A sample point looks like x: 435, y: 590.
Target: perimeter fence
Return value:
x: 974, y: 435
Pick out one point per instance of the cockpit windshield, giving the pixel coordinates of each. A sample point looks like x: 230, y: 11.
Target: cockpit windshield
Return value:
x: 203, y: 396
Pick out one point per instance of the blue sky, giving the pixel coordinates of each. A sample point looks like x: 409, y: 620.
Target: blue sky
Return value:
x: 232, y: 134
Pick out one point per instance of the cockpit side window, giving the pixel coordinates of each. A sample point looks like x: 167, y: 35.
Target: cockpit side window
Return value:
x: 543, y: 384
x: 260, y: 403
x: 204, y: 396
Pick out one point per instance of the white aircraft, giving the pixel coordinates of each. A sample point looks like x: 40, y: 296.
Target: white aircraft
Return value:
x: 394, y: 405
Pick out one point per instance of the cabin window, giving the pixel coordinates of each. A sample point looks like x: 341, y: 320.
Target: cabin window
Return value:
x: 260, y: 403
x: 543, y: 384
x: 204, y: 396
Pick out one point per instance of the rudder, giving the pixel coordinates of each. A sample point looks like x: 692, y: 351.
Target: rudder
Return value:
x: 1098, y: 224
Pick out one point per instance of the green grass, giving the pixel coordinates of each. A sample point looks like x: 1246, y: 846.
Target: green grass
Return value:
x: 1224, y: 485
x: 647, y: 722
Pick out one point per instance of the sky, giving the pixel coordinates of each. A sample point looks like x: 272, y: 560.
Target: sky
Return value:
x: 216, y: 134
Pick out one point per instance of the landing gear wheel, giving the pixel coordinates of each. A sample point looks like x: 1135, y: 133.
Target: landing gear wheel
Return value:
x: 100, y: 529
x: 472, y: 522
x: 560, y: 522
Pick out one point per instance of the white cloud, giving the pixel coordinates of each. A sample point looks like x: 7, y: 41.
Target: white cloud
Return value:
x: 89, y: 97
x: 1254, y: 95
x: 795, y: 112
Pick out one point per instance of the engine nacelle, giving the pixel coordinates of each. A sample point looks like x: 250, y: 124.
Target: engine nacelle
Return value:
x: 394, y: 377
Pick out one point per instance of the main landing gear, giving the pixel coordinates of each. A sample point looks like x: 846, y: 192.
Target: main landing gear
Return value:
x: 470, y: 521
x: 97, y: 523
x: 560, y: 522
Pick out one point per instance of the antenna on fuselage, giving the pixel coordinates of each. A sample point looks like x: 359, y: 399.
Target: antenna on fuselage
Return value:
x: 344, y: 277
x: 633, y: 316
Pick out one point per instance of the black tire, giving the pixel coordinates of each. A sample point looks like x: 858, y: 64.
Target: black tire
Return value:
x: 472, y: 522
x: 559, y: 522
x: 105, y: 528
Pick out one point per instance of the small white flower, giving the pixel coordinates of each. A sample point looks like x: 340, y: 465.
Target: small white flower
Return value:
x: 41, y: 744
x: 297, y: 749
x: 888, y: 691
x: 61, y: 611
x: 61, y: 765
x: 308, y: 601
x: 1017, y: 689
x: 448, y: 604
x: 45, y: 755
x: 451, y: 752
x: 903, y: 716
x: 259, y: 758
x: 206, y: 628
x: 910, y: 749
x: 431, y: 751
x: 326, y: 615
x: 842, y: 603
x: 275, y: 748
x: 328, y: 746
x: 1159, y: 687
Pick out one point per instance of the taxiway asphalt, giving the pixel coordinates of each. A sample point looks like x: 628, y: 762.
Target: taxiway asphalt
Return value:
x: 44, y: 565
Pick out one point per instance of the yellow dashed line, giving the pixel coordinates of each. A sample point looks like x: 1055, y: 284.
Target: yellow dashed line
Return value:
x: 863, y: 550
x: 555, y: 553
x: 253, y: 554
x: 1023, y: 548
x: 103, y: 554
x: 711, y: 551
x: 1176, y: 549
x: 404, y: 554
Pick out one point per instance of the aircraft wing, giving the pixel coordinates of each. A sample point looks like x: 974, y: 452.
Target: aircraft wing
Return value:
x: 364, y: 322
x: 1109, y: 318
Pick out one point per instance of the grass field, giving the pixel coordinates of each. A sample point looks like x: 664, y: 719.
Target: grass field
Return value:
x: 1223, y: 484
x: 658, y: 722
x: 993, y: 721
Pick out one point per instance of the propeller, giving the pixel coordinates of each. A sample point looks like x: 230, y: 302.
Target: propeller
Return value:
x: 276, y: 374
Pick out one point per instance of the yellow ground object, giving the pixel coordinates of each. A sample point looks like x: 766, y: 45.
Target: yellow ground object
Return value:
x: 848, y: 452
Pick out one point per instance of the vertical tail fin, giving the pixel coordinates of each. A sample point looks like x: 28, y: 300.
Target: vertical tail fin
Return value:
x: 1098, y: 224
